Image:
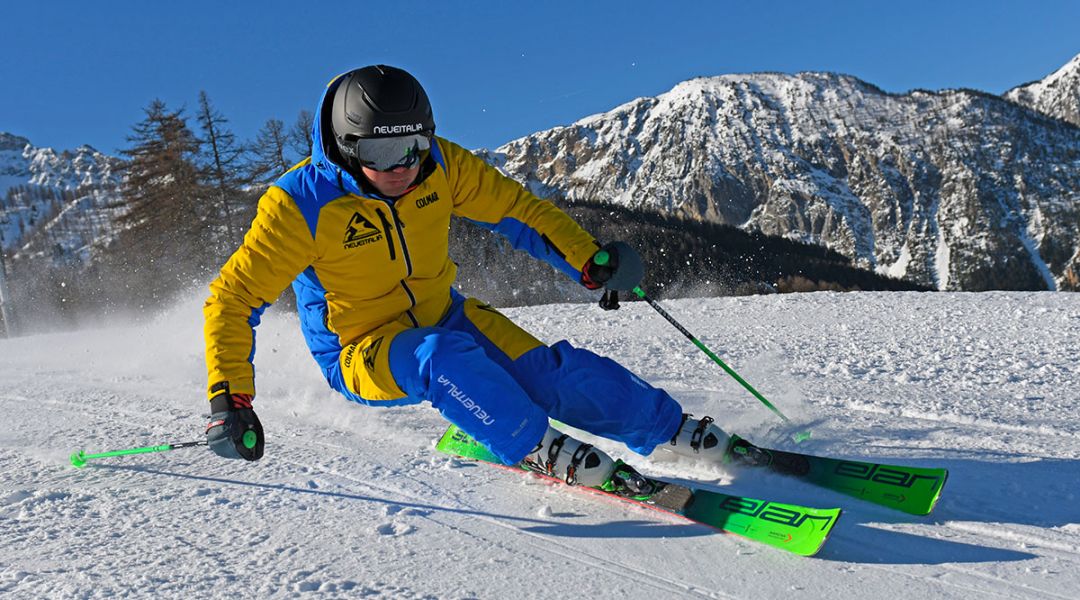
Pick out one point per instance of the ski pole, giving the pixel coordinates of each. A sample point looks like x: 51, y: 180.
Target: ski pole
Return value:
x: 798, y: 437
x: 602, y: 258
x: 79, y: 458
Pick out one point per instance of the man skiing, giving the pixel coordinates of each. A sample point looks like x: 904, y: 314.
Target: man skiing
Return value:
x: 361, y: 230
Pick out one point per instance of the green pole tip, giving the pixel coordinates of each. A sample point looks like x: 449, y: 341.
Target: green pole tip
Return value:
x: 601, y: 258
x: 77, y: 459
x: 802, y: 436
x: 250, y: 439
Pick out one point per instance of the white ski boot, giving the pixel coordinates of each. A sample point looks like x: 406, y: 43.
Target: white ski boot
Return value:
x: 699, y: 439
x: 573, y: 461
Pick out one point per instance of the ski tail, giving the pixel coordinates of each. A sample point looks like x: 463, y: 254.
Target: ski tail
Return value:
x: 798, y: 529
x: 458, y: 443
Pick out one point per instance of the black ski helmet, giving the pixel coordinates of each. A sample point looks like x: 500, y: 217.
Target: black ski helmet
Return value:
x: 380, y: 101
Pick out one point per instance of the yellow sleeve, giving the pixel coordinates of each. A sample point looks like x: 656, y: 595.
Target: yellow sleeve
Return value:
x: 276, y: 248
x: 483, y: 194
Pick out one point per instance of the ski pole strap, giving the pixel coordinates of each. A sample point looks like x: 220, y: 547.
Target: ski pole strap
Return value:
x: 610, y: 300
x: 178, y: 445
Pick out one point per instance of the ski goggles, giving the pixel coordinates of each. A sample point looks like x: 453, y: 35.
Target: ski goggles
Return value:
x: 388, y: 153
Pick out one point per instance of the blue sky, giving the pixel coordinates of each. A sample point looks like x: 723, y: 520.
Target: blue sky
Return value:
x: 81, y: 72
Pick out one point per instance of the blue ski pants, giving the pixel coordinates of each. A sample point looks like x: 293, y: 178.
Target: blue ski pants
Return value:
x: 500, y: 385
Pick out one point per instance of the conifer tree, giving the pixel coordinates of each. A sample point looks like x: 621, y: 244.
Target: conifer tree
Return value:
x: 220, y: 164
x: 300, y: 135
x: 269, y: 153
x: 165, y: 244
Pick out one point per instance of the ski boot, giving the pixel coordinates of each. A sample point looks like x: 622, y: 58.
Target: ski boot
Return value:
x: 699, y: 439
x: 703, y: 439
x: 577, y: 463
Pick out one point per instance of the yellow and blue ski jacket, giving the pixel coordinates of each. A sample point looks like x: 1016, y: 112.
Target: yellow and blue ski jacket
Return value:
x: 359, y: 261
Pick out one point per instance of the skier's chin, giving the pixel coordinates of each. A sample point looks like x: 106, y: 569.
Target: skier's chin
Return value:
x: 393, y: 190
x: 391, y: 183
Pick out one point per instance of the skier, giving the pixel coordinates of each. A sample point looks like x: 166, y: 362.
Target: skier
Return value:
x: 360, y: 229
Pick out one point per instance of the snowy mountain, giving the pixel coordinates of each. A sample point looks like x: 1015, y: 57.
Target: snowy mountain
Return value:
x: 21, y: 163
x: 55, y: 202
x: 351, y: 501
x: 958, y: 189
x: 1057, y: 95
x: 955, y: 190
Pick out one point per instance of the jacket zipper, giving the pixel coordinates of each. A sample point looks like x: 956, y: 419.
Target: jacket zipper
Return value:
x: 399, y: 227
x: 386, y: 228
x: 412, y: 303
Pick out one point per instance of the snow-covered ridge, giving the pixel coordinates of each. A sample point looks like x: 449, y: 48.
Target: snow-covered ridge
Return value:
x: 955, y: 189
x: 22, y: 163
x: 1057, y: 94
x: 55, y: 201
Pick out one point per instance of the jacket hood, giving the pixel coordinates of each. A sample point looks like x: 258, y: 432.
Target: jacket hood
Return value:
x: 324, y: 152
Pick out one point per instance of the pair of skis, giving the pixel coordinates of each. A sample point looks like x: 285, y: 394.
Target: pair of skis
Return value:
x: 798, y: 529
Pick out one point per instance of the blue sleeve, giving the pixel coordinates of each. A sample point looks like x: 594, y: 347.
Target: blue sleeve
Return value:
x: 523, y: 237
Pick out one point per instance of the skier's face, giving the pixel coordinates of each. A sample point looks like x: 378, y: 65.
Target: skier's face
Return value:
x: 392, y: 183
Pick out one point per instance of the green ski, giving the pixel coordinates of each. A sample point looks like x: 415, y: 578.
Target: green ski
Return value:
x: 798, y: 529
x: 914, y: 490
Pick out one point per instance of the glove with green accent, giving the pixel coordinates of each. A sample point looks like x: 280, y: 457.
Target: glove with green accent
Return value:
x: 615, y: 266
x: 234, y: 430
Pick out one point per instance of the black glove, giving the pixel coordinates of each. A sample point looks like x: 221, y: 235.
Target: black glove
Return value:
x: 615, y: 266
x: 234, y: 430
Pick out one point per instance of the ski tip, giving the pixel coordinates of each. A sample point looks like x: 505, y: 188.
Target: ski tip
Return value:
x: 828, y: 534
x: 937, y: 496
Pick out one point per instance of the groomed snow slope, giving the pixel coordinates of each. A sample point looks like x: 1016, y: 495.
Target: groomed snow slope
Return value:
x: 353, y: 502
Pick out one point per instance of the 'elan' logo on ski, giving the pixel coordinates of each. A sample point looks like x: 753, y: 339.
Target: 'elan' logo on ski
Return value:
x: 466, y: 401
x: 884, y: 474
x: 360, y: 232
x: 784, y: 515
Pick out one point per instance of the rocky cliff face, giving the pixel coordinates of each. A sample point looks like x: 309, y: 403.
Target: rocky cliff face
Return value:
x: 958, y: 190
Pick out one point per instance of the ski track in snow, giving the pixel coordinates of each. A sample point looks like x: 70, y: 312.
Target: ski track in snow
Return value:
x: 353, y: 502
